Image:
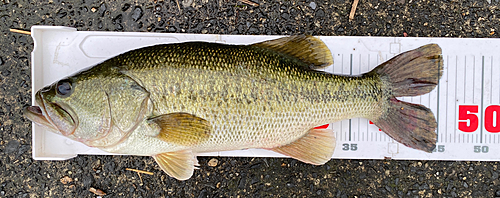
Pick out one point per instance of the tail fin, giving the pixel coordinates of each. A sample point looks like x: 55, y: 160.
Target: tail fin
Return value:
x: 410, y: 124
x: 414, y: 72
x: 411, y: 73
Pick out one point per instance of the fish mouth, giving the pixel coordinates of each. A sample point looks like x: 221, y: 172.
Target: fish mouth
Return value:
x: 34, y: 113
x: 54, y: 116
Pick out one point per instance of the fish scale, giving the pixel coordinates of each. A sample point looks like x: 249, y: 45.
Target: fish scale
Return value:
x: 231, y: 94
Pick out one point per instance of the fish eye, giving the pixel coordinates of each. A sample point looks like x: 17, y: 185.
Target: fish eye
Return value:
x: 64, y: 88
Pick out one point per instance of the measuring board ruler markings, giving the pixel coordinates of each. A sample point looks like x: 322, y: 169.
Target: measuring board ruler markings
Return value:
x: 466, y: 102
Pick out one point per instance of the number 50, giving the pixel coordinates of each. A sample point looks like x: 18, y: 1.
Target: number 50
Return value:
x: 469, y: 122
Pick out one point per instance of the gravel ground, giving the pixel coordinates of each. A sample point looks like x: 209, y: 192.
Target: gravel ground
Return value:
x: 21, y: 176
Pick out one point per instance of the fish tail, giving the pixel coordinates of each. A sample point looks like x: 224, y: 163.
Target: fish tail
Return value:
x: 411, y: 73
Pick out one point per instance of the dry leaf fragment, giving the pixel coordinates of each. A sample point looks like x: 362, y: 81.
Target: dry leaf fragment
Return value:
x: 97, y: 192
x: 249, y: 2
x: 139, y: 171
x: 66, y: 180
x: 213, y: 162
x: 353, y: 9
x: 20, y: 31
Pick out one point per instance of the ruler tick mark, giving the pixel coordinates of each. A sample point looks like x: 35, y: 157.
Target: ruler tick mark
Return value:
x: 482, y: 99
x: 437, y: 114
x: 350, y: 120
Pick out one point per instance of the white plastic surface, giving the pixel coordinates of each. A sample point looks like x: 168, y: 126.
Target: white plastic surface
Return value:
x: 471, y: 76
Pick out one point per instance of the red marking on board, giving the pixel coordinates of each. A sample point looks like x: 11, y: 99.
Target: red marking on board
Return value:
x: 372, y: 123
x: 322, y: 126
x: 467, y: 119
x: 490, y: 124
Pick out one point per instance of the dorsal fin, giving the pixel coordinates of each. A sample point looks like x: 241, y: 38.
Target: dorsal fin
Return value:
x: 308, y: 49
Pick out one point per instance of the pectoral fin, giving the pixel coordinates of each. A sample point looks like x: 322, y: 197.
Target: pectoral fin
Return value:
x: 182, y: 128
x: 179, y: 165
x: 316, y: 147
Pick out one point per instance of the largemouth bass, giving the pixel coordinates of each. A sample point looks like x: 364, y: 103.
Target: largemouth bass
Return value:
x: 173, y: 101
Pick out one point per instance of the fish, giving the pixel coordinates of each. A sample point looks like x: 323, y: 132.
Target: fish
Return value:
x: 174, y: 101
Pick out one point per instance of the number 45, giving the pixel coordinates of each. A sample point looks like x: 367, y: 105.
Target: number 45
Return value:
x: 469, y: 122
x: 439, y: 148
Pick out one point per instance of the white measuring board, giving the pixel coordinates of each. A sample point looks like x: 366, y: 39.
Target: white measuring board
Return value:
x: 466, y: 102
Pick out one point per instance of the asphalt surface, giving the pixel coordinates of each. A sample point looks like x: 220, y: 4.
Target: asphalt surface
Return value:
x: 21, y: 176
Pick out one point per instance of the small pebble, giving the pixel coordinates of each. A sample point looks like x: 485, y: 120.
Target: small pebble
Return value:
x: 494, y: 176
x: 312, y: 5
x: 125, y: 7
x: 137, y: 13
x: 319, y: 192
x: 12, y: 146
x: 102, y: 9
x: 213, y: 162
x: 187, y: 3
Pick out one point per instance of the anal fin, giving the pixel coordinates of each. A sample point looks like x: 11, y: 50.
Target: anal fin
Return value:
x: 316, y: 147
x: 179, y: 165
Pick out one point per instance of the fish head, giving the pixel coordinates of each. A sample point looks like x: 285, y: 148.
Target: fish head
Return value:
x: 88, y: 108
x: 68, y: 107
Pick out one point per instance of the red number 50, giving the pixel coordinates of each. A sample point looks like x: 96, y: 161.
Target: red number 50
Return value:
x: 469, y: 122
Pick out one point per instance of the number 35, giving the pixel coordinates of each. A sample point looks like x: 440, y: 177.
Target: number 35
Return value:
x: 349, y: 147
